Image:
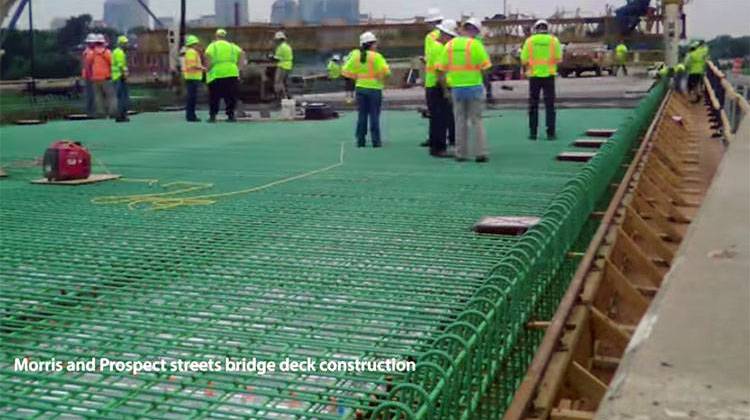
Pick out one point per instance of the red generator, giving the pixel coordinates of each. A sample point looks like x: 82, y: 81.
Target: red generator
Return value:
x: 65, y: 160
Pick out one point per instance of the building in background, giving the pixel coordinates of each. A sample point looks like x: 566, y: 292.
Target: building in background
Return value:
x: 231, y: 12
x: 283, y: 11
x: 57, y: 23
x: 125, y: 14
x: 205, y: 21
x: 323, y: 11
x: 167, y: 21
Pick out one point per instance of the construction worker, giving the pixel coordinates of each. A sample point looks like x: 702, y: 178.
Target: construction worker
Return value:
x: 441, y: 111
x: 487, y: 77
x: 695, y: 64
x: 621, y: 58
x: 679, y: 77
x: 462, y: 64
x: 370, y: 69
x: 223, y: 63
x: 86, y: 75
x: 540, y: 54
x: 99, y: 64
x: 349, y: 85
x: 434, y: 18
x: 192, y: 72
x: 120, y: 78
x: 285, y: 61
x: 334, y: 67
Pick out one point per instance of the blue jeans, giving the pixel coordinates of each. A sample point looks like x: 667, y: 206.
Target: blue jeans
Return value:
x: 192, y: 98
x: 123, y: 98
x: 368, y: 104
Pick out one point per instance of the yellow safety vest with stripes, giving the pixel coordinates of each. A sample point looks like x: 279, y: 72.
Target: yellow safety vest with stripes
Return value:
x: 369, y: 75
x: 463, y: 59
x: 192, y: 70
x: 541, y: 53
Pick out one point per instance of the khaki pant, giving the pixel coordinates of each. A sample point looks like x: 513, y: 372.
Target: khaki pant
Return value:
x: 105, y: 98
x: 280, y: 83
x: 468, y: 115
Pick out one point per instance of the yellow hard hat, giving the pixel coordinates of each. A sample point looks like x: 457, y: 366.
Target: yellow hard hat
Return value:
x: 122, y: 40
x: 221, y: 32
x: 191, y: 40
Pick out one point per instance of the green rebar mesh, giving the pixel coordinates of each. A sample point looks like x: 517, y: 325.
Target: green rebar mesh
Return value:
x: 373, y: 259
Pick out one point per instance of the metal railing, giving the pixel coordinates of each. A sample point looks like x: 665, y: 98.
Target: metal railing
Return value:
x: 729, y: 103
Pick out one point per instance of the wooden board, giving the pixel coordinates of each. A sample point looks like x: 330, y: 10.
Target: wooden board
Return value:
x: 78, y: 117
x: 590, y: 143
x: 90, y: 180
x: 171, y: 108
x: 576, y: 156
x: 600, y: 132
x: 3, y: 174
x: 505, y: 225
x: 29, y: 122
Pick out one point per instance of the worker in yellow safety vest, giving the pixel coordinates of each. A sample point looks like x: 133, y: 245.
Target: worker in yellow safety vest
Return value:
x: 621, y: 58
x: 442, y: 123
x: 462, y: 64
x: 540, y: 55
x: 192, y: 72
x: 284, y: 62
x: 434, y: 18
x: 223, y: 60
x: 695, y: 64
x: 334, y: 67
x: 369, y: 69
x: 120, y: 78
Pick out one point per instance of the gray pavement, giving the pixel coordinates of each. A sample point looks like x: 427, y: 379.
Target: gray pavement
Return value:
x: 690, y: 356
x: 599, y: 92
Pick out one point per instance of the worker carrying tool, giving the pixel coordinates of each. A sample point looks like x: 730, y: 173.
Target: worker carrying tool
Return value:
x: 695, y: 64
x: 223, y: 60
x: 99, y: 68
x: 621, y: 58
x: 284, y: 62
x: 369, y: 69
x: 86, y: 75
x: 442, y: 123
x: 434, y: 18
x: 192, y: 72
x: 120, y: 78
x: 540, y: 55
x: 463, y: 62
x: 334, y: 67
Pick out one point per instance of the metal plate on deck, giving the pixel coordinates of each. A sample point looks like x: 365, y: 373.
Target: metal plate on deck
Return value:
x: 90, y: 180
x: 600, y: 132
x: 576, y: 156
x: 505, y: 225
x: 589, y: 143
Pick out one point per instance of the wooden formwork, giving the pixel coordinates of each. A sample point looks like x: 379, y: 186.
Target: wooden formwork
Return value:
x: 623, y: 267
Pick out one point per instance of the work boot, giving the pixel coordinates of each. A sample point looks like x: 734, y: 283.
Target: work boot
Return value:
x: 551, y: 136
x: 122, y: 119
x: 194, y: 120
x: 440, y: 154
x: 532, y: 136
x: 231, y: 119
x: 425, y: 143
x: 482, y: 159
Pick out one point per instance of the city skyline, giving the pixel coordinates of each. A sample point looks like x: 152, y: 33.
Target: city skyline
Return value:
x: 702, y: 15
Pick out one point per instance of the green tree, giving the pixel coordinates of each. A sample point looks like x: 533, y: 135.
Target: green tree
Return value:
x: 74, y: 32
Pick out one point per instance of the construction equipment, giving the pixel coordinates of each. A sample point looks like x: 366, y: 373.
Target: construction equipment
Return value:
x: 580, y: 58
x: 66, y: 160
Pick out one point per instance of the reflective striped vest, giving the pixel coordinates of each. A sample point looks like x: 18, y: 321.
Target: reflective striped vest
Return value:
x: 192, y: 69
x: 464, y: 59
x: 541, y: 53
x: 370, y: 74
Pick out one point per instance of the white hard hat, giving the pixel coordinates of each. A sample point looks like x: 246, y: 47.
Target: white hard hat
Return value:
x: 433, y: 15
x: 367, y: 38
x: 539, y: 23
x: 475, y: 23
x: 336, y: 57
x: 101, y: 38
x: 90, y: 38
x: 449, y: 26
x: 279, y: 35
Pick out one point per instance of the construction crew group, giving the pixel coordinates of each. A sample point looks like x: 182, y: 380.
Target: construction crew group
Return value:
x: 455, y: 65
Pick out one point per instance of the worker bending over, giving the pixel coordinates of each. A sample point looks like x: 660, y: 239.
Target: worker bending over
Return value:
x: 86, y: 75
x: 120, y: 78
x: 369, y: 69
x: 463, y: 61
x: 540, y: 54
x: 285, y: 61
x: 442, y: 123
x: 192, y: 72
x: 222, y: 60
x: 621, y: 58
x: 99, y: 65
x: 434, y: 18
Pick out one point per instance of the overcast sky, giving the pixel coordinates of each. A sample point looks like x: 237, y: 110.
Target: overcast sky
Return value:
x: 706, y: 18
